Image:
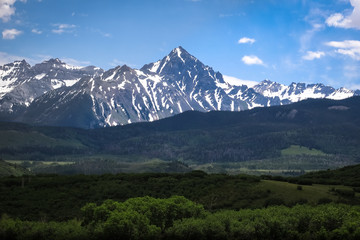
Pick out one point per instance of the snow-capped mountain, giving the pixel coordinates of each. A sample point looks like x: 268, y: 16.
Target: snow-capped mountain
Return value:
x: 20, y: 83
x: 54, y: 93
x: 268, y: 93
x: 177, y: 83
x: 300, y: 91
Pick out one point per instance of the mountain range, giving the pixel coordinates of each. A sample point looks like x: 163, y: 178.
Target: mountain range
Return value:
x: 55, y: 93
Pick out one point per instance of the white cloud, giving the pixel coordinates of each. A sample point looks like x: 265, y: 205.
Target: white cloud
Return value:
x: 7, y: 9
x: 349, y: 48
x: 246, y: 40
x: 310, y: 55
x: 350, y: 21
x: 337, y: 20
x: 238, y: 82
x: 10, y: 34
x: 36, y: 31
x: 63, y: 28
x: 252, y: 60
x: 344, y: 44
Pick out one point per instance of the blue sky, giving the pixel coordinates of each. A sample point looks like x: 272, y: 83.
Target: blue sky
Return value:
x: 281, y: 40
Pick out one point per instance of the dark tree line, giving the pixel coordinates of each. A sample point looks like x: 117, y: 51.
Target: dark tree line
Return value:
x: 178, y: 218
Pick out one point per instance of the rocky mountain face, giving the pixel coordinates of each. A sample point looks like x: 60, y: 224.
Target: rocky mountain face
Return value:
x: 54, y: 93
x: 20, y: 83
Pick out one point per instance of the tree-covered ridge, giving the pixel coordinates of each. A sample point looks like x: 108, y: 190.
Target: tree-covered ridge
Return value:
x: 179, y: 218
x: 252, y: 138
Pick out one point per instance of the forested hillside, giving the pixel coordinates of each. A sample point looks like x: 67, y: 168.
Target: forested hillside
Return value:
x: 309, y: 135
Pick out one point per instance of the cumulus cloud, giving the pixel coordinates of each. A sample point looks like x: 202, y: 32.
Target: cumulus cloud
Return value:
x: 246, y: 40
x: 349, y: 48
x: 63, y: 28
x: 310, y: 55
x: 10, y: 34
x: 7, y: 9
x: 252, y: 60
x: 349, y: 21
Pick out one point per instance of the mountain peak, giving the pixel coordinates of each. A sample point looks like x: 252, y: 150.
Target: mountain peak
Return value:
x: 266, y: 82
x: 177, y: 59
x: 125, y: 68
x: 179, y: 50
x: 54, y: 61
x: 21, y: 63
x: 180, y: 53
x: 17, y: 64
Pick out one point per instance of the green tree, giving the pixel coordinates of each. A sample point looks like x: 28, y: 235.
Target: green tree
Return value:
x: 136, y: 217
